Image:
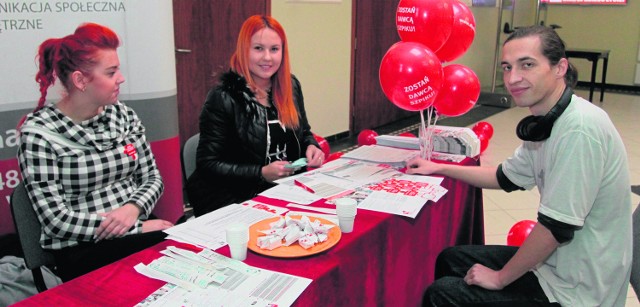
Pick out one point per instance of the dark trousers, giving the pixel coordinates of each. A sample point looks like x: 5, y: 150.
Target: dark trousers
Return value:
x: 450, y: 289
x: 85, y: 257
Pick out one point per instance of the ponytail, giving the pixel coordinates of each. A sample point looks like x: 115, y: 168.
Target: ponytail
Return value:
x: 59, y: 57
x: 46, y: 75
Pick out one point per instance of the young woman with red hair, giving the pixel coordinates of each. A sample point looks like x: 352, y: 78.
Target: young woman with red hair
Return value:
x: 85, y: 161
x: 253, y: 123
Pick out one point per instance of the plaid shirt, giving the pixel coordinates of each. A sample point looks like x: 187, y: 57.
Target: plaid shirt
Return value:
x: 73, y: 172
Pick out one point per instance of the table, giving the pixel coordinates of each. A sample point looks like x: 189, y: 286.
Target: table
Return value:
x: 593, y: 55
x: 387, y: 260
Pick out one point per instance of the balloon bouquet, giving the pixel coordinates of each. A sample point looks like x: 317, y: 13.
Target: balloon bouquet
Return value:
x: 411, y: 73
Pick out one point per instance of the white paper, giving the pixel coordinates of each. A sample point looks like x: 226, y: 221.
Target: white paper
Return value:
x: 244, y: 286
x: 397, y: 204
x: 342, y: 177
x: 264, y: 207
x: 209, y: 230
x: 401, y: 195
x: 447, y: 157
x: 381, y: 154
x: 291, y: 193
x: 329, y: 217
x: 422, y: 178
x: 318, y: 209
x: 323, y: 186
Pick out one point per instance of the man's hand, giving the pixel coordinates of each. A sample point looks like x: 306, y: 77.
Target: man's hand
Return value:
x: 482, y: 276
x: 421, y: 166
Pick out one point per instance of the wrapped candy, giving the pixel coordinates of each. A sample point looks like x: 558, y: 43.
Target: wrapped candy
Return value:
x: 293, y: 235
x: 286, y: 231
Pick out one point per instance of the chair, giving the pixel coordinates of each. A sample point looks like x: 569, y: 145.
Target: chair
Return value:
x: 188, y: 156
x: 28, y: 228
x: 635, y: 267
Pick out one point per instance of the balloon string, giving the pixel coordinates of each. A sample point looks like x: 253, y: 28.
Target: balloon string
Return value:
x: 429, y: 134
x: 422, y: 135
x: 435, y: 120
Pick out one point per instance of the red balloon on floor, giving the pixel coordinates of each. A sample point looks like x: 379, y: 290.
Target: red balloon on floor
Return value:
x: 484, y: 141
x: 519, y: 232
x: 367, y: 137
x: 484, y: 128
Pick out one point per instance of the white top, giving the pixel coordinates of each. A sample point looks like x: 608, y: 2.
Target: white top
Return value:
x: 582, y: 174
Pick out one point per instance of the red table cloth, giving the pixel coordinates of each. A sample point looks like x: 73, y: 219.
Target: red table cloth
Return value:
x: 388, y: 260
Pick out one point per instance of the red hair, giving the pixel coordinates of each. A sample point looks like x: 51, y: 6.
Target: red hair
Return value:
x: 281, y: 87
x: 59, y: 57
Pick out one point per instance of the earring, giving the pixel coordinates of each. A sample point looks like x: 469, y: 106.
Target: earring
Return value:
x: 82, y: 89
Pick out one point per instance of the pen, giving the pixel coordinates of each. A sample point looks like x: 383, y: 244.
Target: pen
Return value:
x: 304, y: 186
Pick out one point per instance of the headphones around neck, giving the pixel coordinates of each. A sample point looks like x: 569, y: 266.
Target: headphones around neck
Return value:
x: 538, y: 128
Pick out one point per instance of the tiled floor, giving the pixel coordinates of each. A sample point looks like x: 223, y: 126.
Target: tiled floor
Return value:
x: 502, y: 209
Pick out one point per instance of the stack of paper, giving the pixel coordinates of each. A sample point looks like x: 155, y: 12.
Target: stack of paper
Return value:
x: 207, y: 279
x: 456, y: 140
x: 445, y: 139
x: 380, y: 154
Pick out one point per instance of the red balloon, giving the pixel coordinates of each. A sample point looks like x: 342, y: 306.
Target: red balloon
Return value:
x: 484, y: 128
x: 463, y: 31
x: 335, y: 156
x: 484, y: 141
x: 428, y: 22
x: 367, y: 137
x: 407, y: 134
x: 324, y: 145
x: 519, y: 232
x: 460, y: 91
x: 410, y: 76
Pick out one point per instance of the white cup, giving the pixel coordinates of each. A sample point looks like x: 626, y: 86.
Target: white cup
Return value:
x: 238, y: 251
x: 346, y: 223
x: 237, y: 238
x: 346, y: 208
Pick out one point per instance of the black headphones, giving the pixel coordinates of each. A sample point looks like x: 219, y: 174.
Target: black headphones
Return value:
x: 538, y: 128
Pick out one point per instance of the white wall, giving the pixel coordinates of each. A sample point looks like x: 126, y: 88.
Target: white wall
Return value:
x: 319, y: 35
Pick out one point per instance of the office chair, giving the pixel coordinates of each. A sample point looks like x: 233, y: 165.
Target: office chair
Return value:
x: 28, y: 228
x: 188, y: 156
x: 635, y: 267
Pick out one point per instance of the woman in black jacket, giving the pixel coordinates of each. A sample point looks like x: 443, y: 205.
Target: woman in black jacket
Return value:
x: 252, y: 124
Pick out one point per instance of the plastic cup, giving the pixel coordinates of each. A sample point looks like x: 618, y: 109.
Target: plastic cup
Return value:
x: 346, y: 209
x: 346, y: 223
x: 238, y: 251
x: 237, y: 238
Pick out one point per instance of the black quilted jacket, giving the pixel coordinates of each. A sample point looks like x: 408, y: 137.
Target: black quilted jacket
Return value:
x: 233, y: 145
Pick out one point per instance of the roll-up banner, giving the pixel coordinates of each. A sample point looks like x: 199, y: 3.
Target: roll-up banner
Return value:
x: 147, y: 61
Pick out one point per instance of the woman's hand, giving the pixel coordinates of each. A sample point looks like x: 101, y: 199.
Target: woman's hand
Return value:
x: 155, y: 225
x: 117, y: 223
x: 421, y: 166
x: 276, y: 170
x: 314, y: 156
